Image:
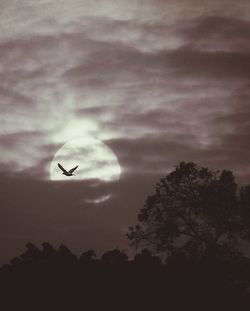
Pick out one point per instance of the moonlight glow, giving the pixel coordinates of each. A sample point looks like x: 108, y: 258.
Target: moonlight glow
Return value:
x: 95, y: 159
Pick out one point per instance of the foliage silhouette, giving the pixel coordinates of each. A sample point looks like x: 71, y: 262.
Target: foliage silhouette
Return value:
x: 115, y: 256
x: 146, y: 258
x: 196, y: 211
x: 88, y: 256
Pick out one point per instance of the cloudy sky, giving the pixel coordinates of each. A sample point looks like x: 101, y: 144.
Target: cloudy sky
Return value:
x: 157, y: 81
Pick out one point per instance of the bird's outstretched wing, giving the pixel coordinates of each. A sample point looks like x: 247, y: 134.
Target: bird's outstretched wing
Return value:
x: 62, y: 168
x: 72, y: 170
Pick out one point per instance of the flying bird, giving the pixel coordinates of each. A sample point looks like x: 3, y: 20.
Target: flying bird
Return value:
x: 65, y: 172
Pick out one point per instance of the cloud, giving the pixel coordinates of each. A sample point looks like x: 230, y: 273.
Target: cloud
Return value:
x: 99, y: 200
x: 159, y: 82
x: 218, y: 33
x: 110, y: 88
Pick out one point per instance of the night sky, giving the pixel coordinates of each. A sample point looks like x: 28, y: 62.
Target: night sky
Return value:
x: 156, y: 81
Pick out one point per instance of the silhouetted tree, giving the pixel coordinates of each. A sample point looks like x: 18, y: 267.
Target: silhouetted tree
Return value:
x: 32, y: 253
x: 196, y: 211
x: 145, y: 257
x: 115, y: 256
x: 65, y: 254
x: 16, y: 261
x: 48, y: 251
x: 244, y: 199
x: 88, y: 256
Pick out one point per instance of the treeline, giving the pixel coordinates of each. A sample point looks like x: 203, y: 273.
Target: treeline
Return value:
x: 55, y: 279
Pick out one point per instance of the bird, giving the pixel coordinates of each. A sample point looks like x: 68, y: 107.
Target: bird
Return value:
x: 65, y: 172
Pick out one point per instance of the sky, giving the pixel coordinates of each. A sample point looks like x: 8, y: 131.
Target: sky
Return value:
x: 155, y: 81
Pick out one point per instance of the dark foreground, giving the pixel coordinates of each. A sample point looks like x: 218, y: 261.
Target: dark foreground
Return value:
x: 50, y: 279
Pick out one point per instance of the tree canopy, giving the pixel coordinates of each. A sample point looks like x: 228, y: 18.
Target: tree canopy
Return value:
x: 196, y: 211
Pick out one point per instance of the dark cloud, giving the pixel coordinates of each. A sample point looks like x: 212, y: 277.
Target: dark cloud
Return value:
x: 150, y: 155
x: 219, y: 32
x: 215, y: 65
x: 92, y: 111
x: 115, y: 66
x: 156, y: 156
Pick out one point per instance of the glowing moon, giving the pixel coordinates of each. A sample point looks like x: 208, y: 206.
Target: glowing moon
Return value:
x: 95, y: 159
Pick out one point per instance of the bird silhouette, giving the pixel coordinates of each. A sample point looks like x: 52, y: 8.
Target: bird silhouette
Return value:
x: 65, y: 172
